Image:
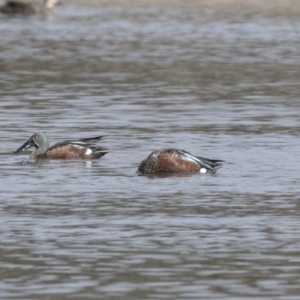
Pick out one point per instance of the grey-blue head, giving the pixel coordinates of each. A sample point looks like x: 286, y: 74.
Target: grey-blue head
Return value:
x: 39, y: 141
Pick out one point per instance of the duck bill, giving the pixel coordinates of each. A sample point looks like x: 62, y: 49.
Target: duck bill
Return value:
x: 25, y: 146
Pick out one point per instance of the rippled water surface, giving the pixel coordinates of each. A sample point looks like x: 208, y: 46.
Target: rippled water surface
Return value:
x: 150, y: 78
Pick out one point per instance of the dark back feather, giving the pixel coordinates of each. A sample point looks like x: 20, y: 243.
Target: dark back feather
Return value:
x: 84, y: 143
x: 92, y: 140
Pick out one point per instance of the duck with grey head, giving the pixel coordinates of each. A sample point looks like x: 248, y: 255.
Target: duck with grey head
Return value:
x: 71, y: 149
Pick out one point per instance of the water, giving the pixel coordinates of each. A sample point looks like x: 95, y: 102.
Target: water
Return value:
x: 150, y: 78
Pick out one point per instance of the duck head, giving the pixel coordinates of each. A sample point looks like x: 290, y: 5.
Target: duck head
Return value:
x: 39, y: 141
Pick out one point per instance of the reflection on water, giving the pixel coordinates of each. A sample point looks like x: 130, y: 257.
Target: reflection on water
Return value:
x: 150, y: 78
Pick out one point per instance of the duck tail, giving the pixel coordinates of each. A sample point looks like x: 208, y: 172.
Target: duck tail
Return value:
x: 212, y: 164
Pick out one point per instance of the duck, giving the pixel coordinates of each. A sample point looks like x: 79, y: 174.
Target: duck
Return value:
x: 28, y: 8
x: 177, y: 161
x: 71, y: 149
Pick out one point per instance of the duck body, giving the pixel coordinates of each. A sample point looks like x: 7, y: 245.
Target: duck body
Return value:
x: 177, y: 161
x: 17, y: 7
x: 71, y: 149
x: 28, y: 8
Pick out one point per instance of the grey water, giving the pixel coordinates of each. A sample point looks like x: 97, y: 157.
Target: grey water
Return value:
x: 149, y: 78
